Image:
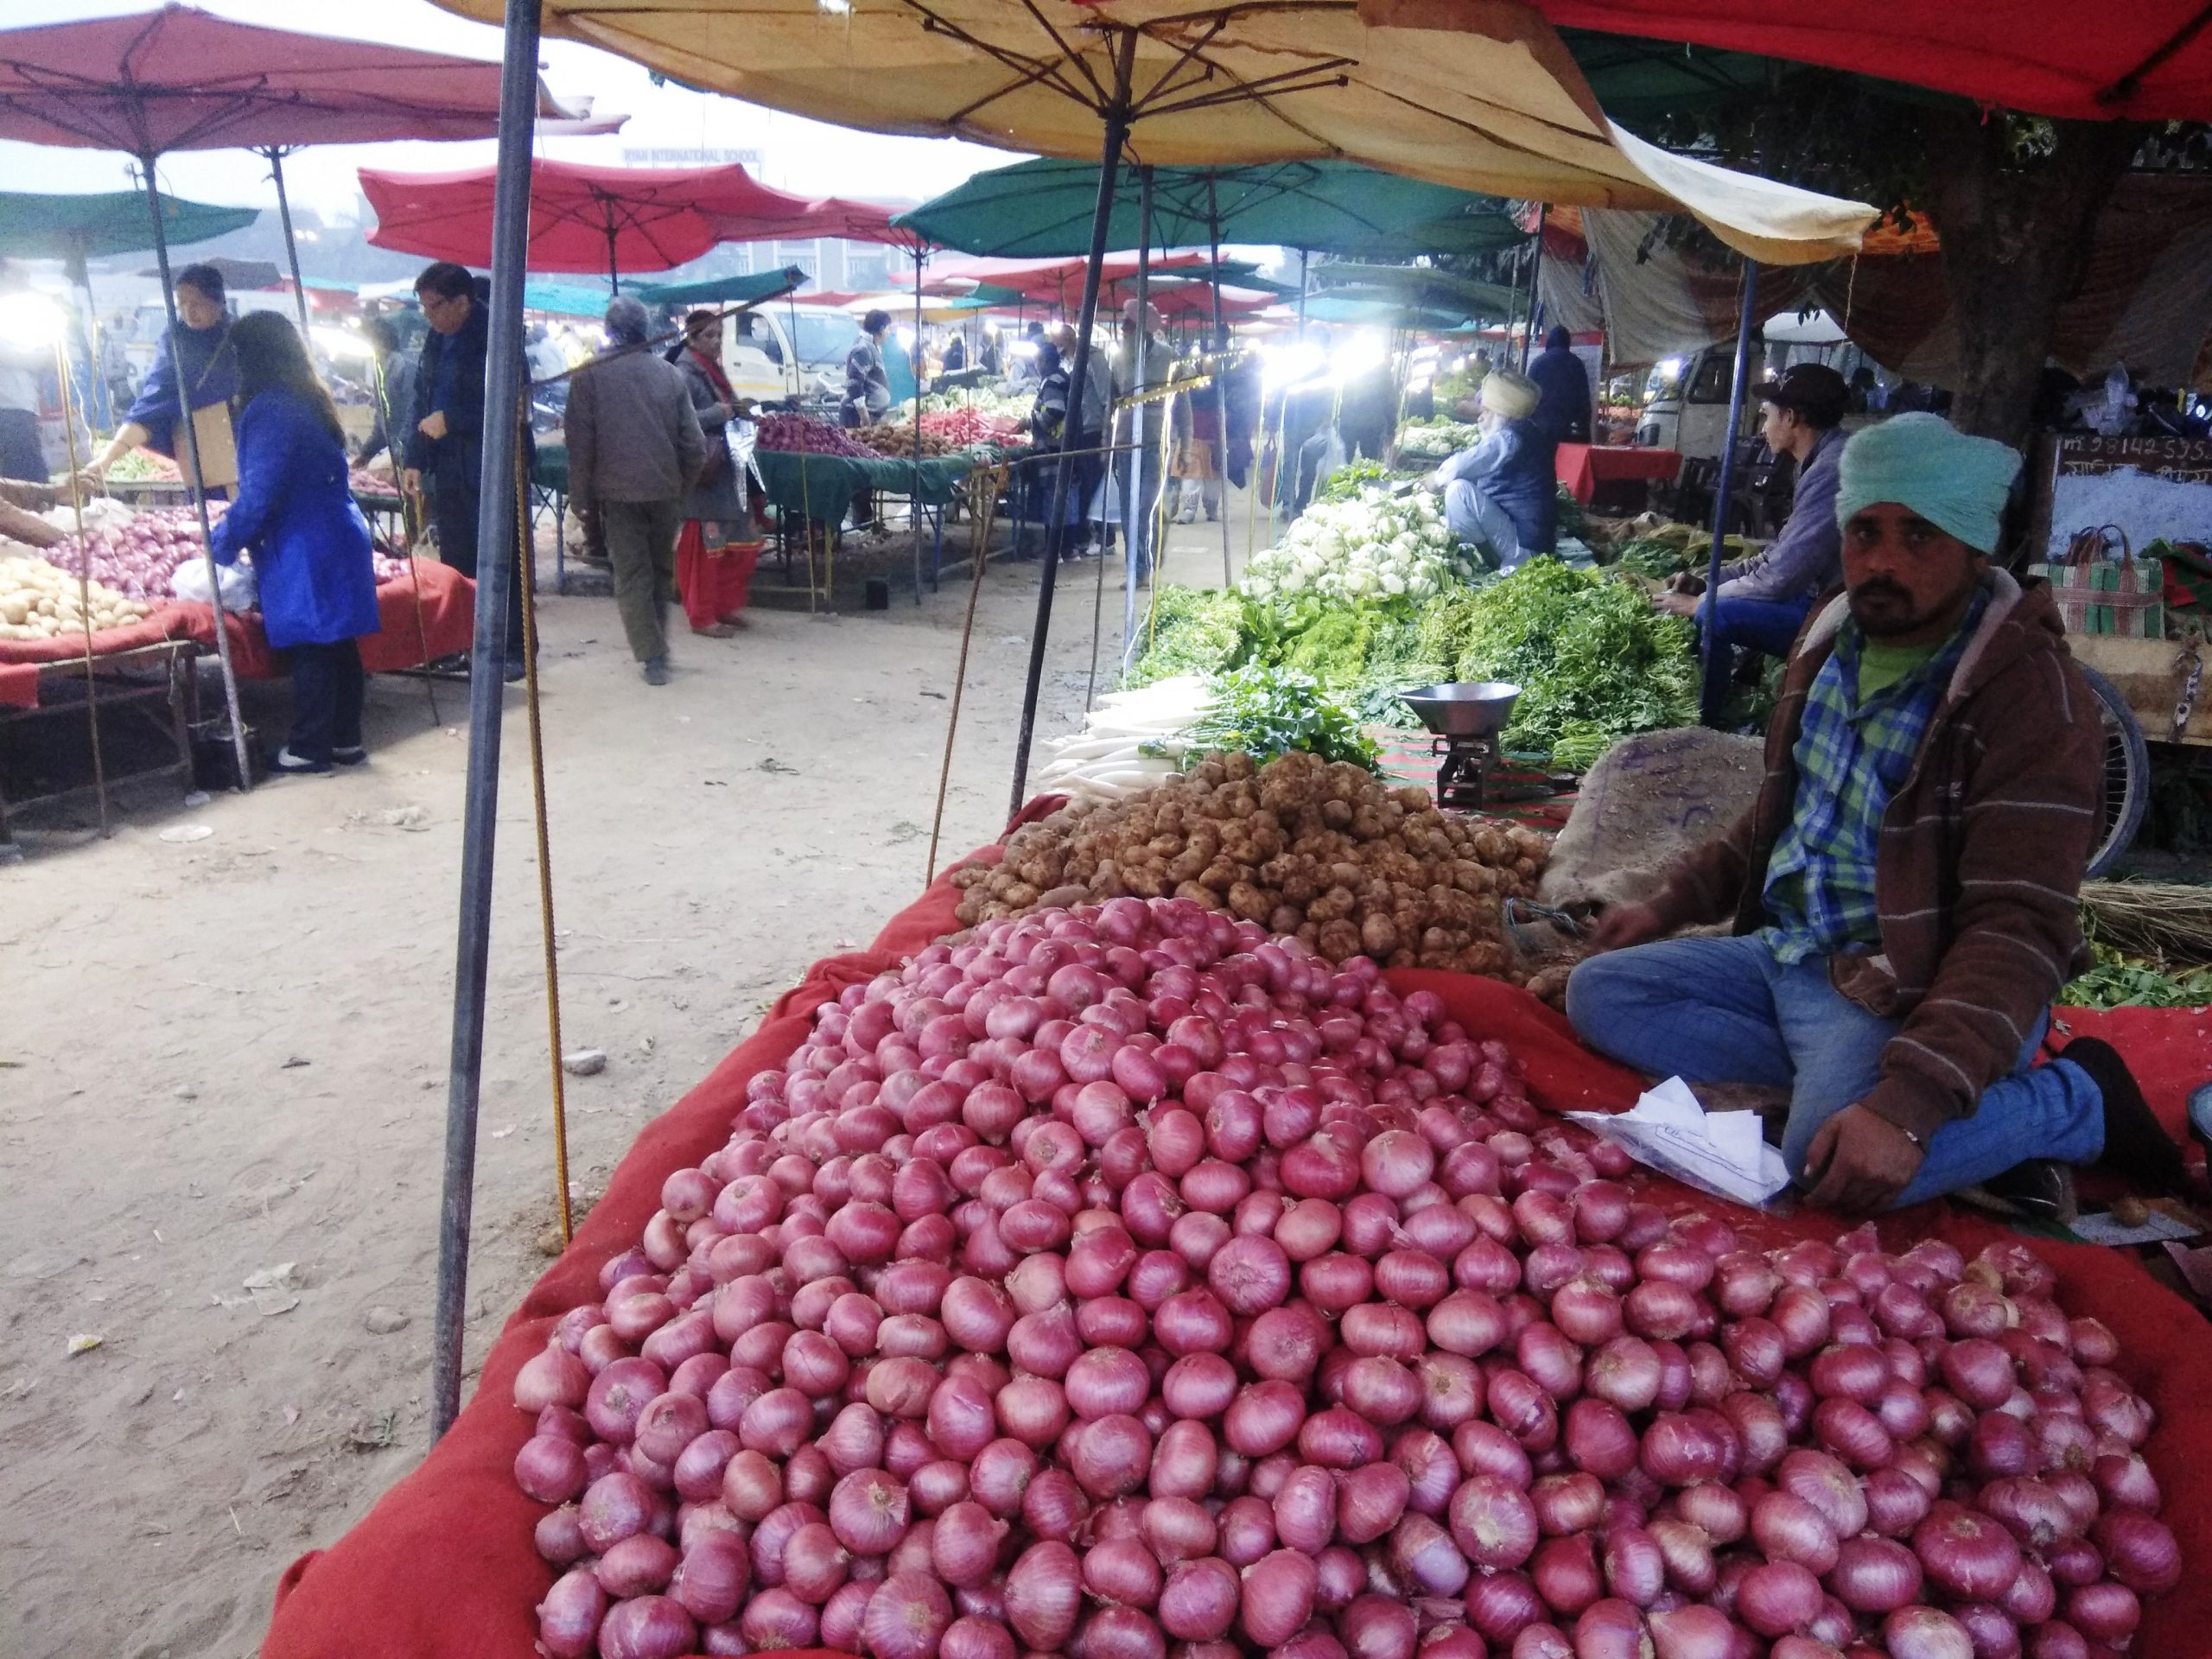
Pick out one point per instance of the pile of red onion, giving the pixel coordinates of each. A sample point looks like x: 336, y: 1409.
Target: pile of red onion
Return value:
x: 1125, y: 1280
x: 139, y: 557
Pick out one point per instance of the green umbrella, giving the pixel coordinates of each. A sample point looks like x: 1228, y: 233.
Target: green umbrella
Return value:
x: 1042, y: 209
x: 1421, y: 287
x: 723, y: 291
x: 1375, y: 308
x: 77, y: 228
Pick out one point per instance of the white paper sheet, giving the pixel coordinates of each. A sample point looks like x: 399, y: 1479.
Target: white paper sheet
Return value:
x: 1724, y: 1153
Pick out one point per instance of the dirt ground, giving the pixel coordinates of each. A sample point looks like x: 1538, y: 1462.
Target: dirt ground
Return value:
x: 223, y: 1060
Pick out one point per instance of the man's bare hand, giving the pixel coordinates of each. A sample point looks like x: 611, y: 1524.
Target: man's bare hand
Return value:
x: 410, y: 481
x: 433, y: 425
x: 1622, y: 925
x: 1677, y: 604
x: 1859, y: 1162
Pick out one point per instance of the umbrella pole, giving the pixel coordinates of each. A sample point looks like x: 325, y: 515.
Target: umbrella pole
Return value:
x: 1140, y: 514
x: 1117, y: 132
x: 1535, y: 276
x: 1219, y: 459
x: 276, y: 154
x: 914, y: 507
x: 1098, y: 590
x: 194, y: 476
x: 1715, y: 692
x: 496, y: 527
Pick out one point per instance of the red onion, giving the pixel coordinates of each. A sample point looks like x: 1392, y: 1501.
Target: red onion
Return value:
x: 1778, y: 1597
x: 1378, y: 1627
x: 2139, y: 1551
x: 1197, y: 1603
x: 1924, y: 1633
x: 568, y: 1618
x: 650, y: 1627
x: 1565, y: 1571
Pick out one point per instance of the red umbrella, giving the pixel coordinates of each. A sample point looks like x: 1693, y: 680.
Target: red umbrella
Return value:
x: 181, y: 78
x: 609, y: 219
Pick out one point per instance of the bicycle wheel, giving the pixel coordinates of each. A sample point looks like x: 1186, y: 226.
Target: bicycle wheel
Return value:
x: 2128, y: 775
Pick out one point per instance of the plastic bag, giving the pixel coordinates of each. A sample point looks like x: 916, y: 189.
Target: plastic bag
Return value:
x: 240, y: 593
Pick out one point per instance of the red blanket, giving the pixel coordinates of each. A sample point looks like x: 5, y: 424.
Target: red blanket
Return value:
x: 447, y: 623
x: 443, y: 1567
x: 21, y: 660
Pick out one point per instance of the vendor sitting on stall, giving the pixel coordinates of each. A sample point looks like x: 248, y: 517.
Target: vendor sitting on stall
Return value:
x: 202, y: 349
x: 1502, y: 493
x: 1903, y: 891
x: 1764, y: 599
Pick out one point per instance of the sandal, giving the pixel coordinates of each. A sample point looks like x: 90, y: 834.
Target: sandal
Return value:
x: 713, y: 631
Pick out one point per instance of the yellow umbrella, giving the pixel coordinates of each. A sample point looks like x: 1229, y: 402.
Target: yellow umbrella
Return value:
x: 1478, y: 96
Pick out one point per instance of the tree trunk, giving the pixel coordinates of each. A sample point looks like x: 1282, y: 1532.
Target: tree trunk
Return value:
x: 2015, y: 235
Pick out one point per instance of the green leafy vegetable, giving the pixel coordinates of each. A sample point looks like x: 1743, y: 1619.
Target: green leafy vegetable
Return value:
x: 2123, y: 982
x: 1343, y: 484
x: 1196, y: 631
x: 1265, y: 712
x: 1648, y: 555
x: 1588, y: 652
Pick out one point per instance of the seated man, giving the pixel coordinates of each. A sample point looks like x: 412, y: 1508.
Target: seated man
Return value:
x: 1764, y: 599
x: 1503, y: 494
x: 1903, y: 891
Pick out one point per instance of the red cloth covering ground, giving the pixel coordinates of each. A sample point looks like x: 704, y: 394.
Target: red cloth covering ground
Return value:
x: 1583, y: 466
x: 447, y: 625
x: 21, y: 660
x: 713, y: 585
x: 443, y: 1568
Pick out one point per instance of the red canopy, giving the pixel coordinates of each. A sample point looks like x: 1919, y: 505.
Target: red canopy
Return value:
x: 2147, y: 60
x: 179, y: 78
x: 600, y: 219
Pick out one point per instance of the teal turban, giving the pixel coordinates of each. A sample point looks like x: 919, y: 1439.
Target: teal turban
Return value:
x: 1956, y: 483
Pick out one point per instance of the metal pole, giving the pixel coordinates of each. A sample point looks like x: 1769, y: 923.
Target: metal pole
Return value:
x: 496, y: 528
x: 197, y: 478
x: 1117, y: 132
x: 1140, y: 367
x: 1715, y: 693
x: 1217, y: 460
x: 914, y: 507
x: 1536, y: 275
x: 276, y: 154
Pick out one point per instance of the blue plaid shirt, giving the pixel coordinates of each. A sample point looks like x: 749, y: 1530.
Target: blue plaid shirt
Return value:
x: 1852, y: 755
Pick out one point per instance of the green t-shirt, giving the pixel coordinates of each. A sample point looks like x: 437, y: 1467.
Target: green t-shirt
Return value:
x: 1881, y: 666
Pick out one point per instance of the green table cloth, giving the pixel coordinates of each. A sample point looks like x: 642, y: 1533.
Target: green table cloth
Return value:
x: 821, y: 487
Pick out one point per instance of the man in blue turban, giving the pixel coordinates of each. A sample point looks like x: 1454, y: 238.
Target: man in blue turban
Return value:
x: 1902, y: 894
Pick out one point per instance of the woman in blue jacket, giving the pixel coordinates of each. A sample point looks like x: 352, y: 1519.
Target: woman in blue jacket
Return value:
x: 311, y: 553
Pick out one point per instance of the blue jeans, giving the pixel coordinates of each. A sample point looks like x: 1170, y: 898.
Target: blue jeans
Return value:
x: 1725, y: 1011
x: 1767, y: 624
x: 1472, y: 516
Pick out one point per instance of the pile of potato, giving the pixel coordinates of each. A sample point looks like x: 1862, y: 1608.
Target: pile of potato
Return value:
x: 38, y: 601
x: 1351, y: 865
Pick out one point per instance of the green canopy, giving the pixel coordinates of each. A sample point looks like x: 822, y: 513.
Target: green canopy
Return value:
x: 723, y: 290
x: 92, y: 227
x: 1374, y: 308
x: 1042, y: 209
x: 1421, y: 287
x: 566, y: 299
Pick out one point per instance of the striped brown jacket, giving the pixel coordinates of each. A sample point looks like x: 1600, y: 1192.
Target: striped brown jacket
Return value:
x: 1979, y: 864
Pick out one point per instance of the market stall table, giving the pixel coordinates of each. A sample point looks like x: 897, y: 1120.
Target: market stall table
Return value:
x: 444, y: 1565
x: 1586, y: 468
x: 406, y: 639
x: 819, y: 489
x: 136, y: 673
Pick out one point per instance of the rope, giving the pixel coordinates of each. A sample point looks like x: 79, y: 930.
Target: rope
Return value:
x: 526, y: 557
x: 84, y: 589
x: 983, y: 486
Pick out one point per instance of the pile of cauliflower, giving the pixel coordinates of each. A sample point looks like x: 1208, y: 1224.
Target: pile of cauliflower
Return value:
x: 1351, y: 866
x: 1370, y: 548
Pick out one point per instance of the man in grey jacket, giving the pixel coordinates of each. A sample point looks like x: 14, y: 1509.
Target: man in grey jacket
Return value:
x: 1764, y: 599
x: 634, y: 449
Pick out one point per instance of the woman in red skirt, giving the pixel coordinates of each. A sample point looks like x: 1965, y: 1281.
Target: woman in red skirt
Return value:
x: 717, y: 549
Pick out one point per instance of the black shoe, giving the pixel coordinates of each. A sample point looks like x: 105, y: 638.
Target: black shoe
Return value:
x: 353, y: 755
x: 515, y: 672
x: 2136, y: 1145
x: 2041, y: 1189
x: 291, y: 766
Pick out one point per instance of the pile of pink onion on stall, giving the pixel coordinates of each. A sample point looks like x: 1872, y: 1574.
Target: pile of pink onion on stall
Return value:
x: 1126, y: 1281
